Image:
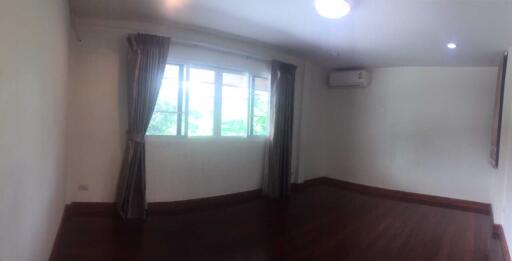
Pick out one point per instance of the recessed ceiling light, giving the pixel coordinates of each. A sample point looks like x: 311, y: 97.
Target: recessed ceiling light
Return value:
x: 332, y: 9
x: 451, y: 45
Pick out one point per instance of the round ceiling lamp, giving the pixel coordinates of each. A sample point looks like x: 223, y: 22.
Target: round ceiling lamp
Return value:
x: 332, y: 9
x: 451, y: 45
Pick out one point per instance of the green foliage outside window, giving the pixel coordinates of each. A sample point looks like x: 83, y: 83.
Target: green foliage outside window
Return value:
x: 165, y: 117
x: 234, y: 128
x: 260, y: 113
x: 164, y: 120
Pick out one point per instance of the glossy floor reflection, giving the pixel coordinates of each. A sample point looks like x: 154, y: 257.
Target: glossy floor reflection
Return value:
x: 320, y: 223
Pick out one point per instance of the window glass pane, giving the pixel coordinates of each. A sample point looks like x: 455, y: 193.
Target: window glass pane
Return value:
x: 261, y: 106
x: 164, y: 119
x: 201, y: 102
x: 235, y: 103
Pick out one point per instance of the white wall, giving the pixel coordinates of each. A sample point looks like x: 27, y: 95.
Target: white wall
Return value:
x: 313, y: 161
x: 181, y: 169
x: 176, y: 168
x: 417, y: 129
x: 33, y: 73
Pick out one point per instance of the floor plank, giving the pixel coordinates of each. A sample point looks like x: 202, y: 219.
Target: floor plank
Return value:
x: 320, y: 223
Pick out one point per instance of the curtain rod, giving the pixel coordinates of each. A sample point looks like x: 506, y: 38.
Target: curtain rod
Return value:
x: 186, y: 43
x: 218, y: 49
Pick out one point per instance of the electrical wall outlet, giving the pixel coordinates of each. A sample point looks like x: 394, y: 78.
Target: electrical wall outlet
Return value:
x: 83, y: 187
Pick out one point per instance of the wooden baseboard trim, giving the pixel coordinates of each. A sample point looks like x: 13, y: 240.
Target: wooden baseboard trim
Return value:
x: 91, y: 209
x: 175, y: 207
x: 159, y: 208
x: 499, y: 234
x: 178, y: 207
x: 58, y: 237
x: 459, y: 204
x: 166, y: 208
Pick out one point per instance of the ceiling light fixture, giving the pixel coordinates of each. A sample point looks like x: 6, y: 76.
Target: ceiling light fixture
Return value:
x: 332, y: 9
x: 451, y: 45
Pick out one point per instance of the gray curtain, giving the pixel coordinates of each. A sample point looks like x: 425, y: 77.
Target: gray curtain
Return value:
x: 147, y: 57
x: 498, y: 112
x: 276, y: 182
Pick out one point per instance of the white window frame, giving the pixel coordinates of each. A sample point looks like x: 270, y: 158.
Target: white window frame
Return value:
x: 252, y: 94
x: 183, y: 101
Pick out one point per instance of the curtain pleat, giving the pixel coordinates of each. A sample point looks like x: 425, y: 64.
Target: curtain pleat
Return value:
x: 147, y: 57
x: 277, y: 172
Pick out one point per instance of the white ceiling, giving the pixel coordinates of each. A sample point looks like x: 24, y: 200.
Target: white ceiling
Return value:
x: 376, y: 33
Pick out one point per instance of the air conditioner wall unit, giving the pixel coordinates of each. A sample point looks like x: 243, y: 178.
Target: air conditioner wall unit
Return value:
x: 349, y: 78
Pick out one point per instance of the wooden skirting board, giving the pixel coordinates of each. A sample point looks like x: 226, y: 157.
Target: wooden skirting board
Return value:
x: 166, y: 208
x: 466, y: 205
x: 183, y: 206
x: 58, y: 237
x: 177, y: 207
x: 500, y: 235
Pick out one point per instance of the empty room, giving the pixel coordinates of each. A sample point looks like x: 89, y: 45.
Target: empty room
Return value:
x: 360, y: 130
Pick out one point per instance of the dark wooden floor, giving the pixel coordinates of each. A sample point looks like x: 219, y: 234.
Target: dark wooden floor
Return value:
x: 320, y: 223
